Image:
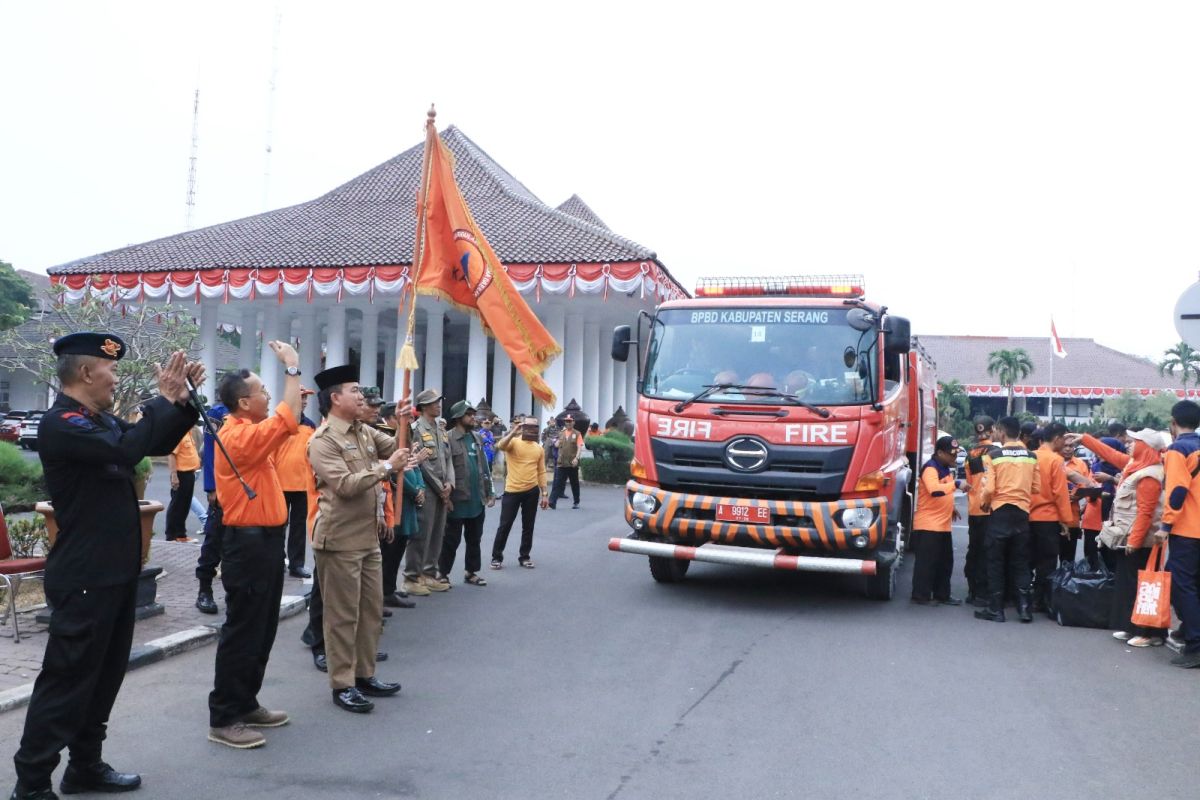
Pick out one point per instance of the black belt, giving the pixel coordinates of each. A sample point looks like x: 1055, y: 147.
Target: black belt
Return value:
x: 260, y: 529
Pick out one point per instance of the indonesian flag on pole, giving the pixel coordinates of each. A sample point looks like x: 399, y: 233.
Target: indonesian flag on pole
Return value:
x: 1056, y: 343
x: 460, y: 267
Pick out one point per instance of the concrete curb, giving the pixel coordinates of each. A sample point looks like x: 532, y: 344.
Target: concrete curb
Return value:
x: 158, y: 650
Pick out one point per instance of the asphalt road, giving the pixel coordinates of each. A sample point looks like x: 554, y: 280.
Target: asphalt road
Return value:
x: 585, y: 679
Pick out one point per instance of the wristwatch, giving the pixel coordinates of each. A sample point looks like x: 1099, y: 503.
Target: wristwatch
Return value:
x: 293, y: 371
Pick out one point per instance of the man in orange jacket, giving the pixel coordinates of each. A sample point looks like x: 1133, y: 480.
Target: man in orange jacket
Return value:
x: 1050, y: 514
x: 1014, y: 481
x: 291, y: 463
x: 933, y: 521
x: 1181, y: 520
x: 979, y: 470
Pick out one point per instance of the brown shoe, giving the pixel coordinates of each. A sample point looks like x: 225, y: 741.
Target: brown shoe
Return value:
x: 415, y: 587
x: 262, y: 718
x: 435, y: 584
x: 237, y: 736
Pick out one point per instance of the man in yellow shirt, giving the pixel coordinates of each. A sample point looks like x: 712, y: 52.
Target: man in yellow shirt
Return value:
x: 524, y: 483
x: 182, y: 463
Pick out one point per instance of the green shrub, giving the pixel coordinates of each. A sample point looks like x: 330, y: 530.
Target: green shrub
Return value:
x: 21, y: 483
x: 612, y: 446
x: 29, y: 537
x: 598, y: 471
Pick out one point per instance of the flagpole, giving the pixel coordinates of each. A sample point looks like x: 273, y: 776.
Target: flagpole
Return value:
x: 1053, y: 355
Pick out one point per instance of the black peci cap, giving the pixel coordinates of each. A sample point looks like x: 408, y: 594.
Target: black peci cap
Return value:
x: 100, y: 345
x: 336, y: 376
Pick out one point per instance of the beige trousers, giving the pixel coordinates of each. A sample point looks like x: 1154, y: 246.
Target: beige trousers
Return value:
x: 352, y: 591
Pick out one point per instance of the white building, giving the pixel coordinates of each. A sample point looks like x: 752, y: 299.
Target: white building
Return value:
x: 329, y: 274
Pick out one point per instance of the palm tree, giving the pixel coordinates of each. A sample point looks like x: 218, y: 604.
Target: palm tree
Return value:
x: 1009, y: 366
x: 1183, y: 358
x: 954, y: 405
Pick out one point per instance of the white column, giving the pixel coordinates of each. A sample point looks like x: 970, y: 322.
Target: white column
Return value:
x: 618, y: 381
x: 522, y: 398
x: 591, y: 369
x: 631, y: 388
x: 434, y: 334
x: 273, y: 328
x: 477, y: 357
x: 368, y: 367
x: 391, y: 376
x: 573, y: 361
x: 335, y: 337
x: 249, y: 347
x: 605, y: 407
x: 555, y: 321
x: 208, y: 350
x: 501, y: 399
x: 310, y: 357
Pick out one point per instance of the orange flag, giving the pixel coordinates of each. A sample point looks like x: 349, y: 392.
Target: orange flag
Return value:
x: 456, y: 263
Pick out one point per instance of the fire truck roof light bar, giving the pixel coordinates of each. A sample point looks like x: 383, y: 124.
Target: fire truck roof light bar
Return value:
x: 846, y: 286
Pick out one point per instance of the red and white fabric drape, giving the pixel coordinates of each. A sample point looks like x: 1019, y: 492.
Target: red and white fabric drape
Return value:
x: 1066, y: 392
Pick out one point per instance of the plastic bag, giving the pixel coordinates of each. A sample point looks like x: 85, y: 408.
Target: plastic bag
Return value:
x: 1081, y: 594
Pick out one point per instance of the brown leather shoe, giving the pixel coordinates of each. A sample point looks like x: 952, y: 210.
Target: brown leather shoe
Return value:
x: 237, y: 736
x: 434, y: 584
x: 263, y: 718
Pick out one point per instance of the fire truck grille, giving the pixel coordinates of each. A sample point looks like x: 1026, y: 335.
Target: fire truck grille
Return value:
x: 798, y: 472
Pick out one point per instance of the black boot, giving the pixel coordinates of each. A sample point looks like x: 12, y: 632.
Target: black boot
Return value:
x: 21, y: 793
x: 1024, y: 607
x: 995, y: 609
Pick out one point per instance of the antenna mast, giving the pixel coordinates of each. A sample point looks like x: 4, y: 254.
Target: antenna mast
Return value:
x: 191, y: 183
x: 271, y: 107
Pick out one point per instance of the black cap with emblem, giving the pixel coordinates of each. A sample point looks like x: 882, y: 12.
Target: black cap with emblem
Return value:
x: 100, y: 345
x: 336, y: 376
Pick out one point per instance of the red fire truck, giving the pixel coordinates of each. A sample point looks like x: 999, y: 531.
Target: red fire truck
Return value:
x: 780, y: 423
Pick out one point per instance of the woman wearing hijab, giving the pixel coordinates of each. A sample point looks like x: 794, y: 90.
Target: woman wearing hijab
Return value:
x: 1134, y: 526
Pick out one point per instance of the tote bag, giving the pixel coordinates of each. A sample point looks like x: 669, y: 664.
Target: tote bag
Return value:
x: 1152, y: 605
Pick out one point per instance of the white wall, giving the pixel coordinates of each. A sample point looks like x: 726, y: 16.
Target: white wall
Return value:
x: 23, y: 393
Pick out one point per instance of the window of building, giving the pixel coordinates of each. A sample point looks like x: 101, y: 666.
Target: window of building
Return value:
x: 4, y: 396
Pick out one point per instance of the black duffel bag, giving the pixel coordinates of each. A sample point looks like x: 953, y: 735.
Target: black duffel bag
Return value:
x: 1081, y: 594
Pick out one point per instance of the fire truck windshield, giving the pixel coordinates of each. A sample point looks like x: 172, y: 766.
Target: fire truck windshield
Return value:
x: 810, y: 354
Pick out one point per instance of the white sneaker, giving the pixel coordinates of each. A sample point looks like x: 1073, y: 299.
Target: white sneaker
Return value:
x: 1121, y: 636
x: 1145, y: 641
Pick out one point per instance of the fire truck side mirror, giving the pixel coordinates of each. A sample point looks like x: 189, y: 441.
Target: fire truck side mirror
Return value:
x: 620, y: 343
x: 897, y: 336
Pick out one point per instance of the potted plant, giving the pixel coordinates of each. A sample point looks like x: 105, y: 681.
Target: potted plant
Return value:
x: 141, y: 476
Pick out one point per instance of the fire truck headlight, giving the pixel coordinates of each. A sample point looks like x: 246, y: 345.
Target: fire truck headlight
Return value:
x: 857, y: 517
x: 861, y: 541
x: 643, y: 502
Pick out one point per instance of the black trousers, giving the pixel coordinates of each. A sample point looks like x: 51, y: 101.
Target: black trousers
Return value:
x: 527, y: 503
x: 316, y: 615
x: 559, y: 489
x: 975, y: 563
x: 252, y: 574
x: 456, y: 531
x: 210, y: 551
x: 1125, y: 593
x: 180, y: 505
x: 297, y: 506
x: 393, y: 558
x: 933, y: 566
x: 1007, y: 541
x: 86, y: 656
x: 1068, y: 546
x: 1046, y: 540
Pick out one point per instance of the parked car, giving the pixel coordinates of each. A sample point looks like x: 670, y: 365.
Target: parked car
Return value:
x: 29, y: 430
x: 10, y: 426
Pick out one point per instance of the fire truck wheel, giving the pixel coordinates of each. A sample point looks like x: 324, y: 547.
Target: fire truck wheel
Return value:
x: 668, y: 570
x: 882, y: 585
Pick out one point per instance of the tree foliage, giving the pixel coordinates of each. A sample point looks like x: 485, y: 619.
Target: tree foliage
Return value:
x: 954, y: 409
x: 1008, y: 367
x: 150, y: 333
x: 1182, y: 359
x: 1134, y: 411
x: 16, y: 297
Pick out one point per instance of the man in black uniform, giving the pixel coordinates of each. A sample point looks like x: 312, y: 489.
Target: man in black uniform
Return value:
x: 88, y: 456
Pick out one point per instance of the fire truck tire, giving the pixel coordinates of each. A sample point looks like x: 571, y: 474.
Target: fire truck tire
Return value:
x: 668, y: 570
x: 882, y: 585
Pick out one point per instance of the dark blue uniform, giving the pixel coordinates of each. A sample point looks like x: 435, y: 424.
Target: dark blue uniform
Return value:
x: 91, y: 574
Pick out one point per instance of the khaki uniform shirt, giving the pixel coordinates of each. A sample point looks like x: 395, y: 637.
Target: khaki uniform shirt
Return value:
x: 345, y: 458
x: 437, y: 470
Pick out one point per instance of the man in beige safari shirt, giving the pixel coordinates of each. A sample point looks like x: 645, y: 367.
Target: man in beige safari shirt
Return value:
x: 347, y: 460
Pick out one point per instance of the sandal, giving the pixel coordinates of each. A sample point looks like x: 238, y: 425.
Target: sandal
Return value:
x: 474, y: 580
x: 497, y: 564
x: 527, y: 563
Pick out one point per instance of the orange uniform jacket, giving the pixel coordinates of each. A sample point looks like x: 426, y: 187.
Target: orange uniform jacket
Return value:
x: 1075, y: 464
x: 1015, y: 478
x: 252, y: 446
x: 979, y: 470
x: 1050, y: 502
x: 186, y: 457
x: 1148, y: 489
x: 935, y: 499
x: 291, y: 461
x: 1181, y: 517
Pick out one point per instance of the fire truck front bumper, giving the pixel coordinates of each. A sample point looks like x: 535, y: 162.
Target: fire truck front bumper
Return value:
x: 837, y: 526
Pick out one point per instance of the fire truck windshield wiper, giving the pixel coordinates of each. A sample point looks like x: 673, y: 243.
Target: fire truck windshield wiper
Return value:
x: 705, y: 392
x: 767, y: 391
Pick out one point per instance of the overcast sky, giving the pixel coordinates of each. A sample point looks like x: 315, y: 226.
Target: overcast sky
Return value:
x: 985, y: 165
